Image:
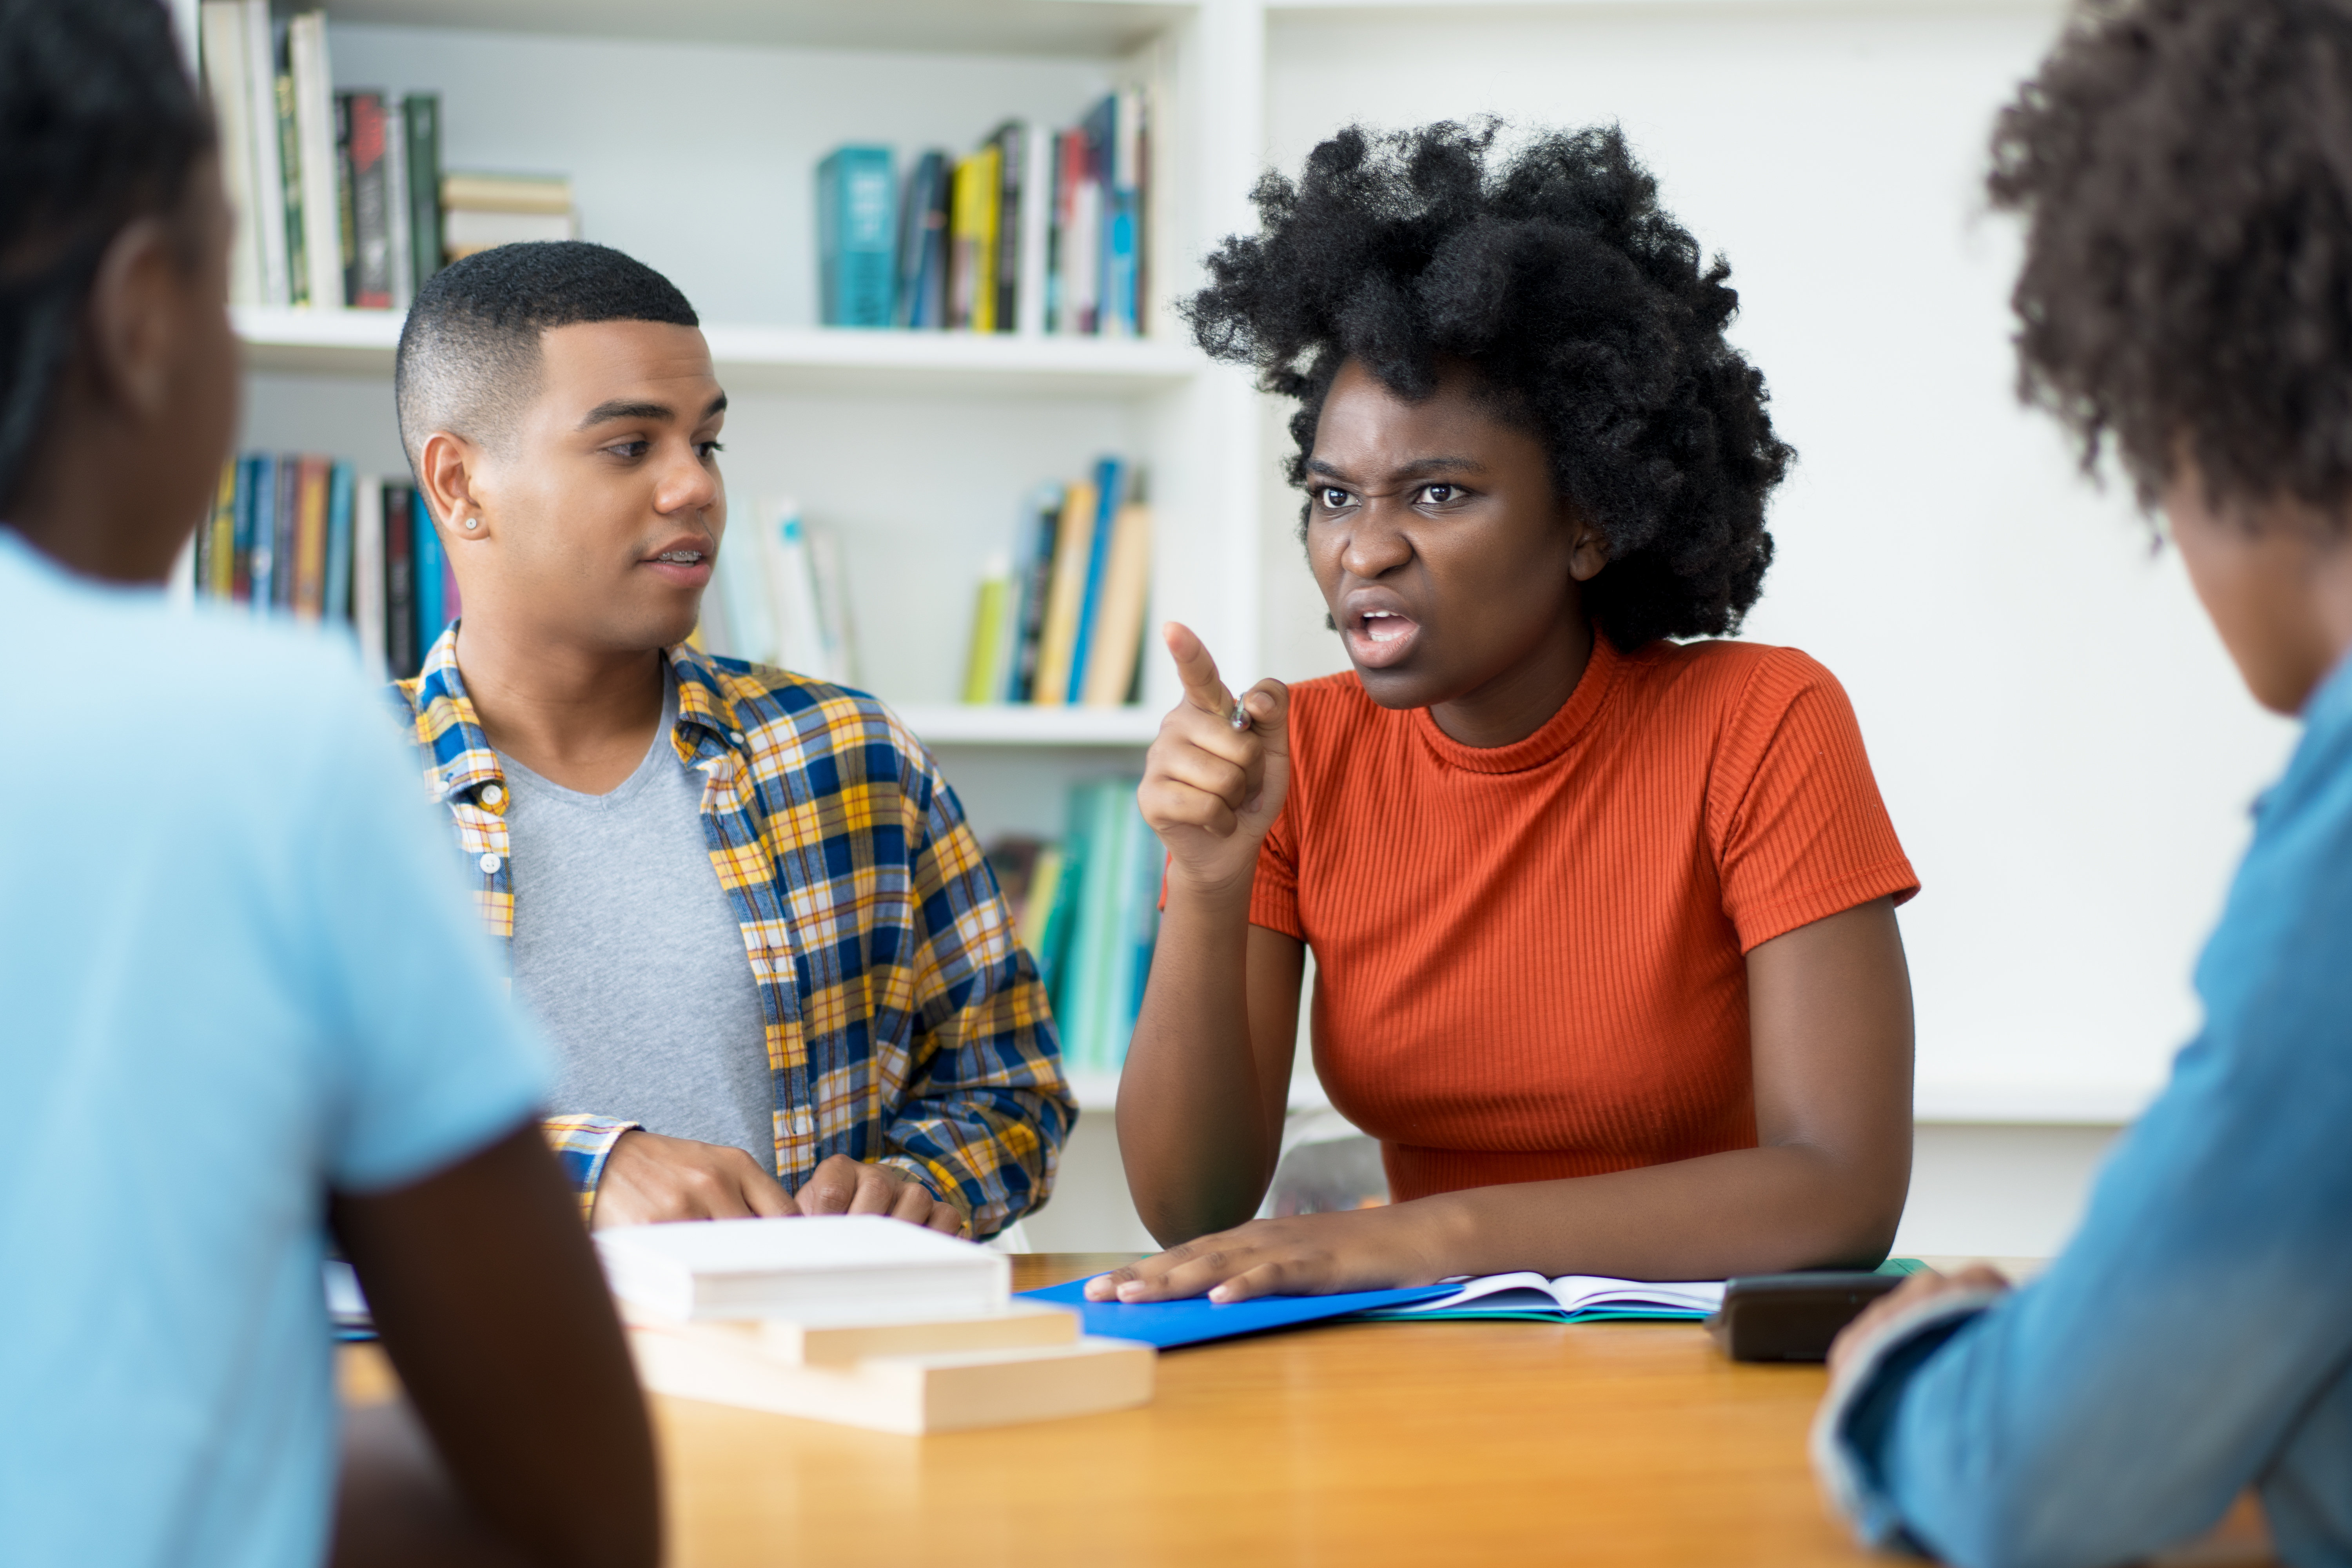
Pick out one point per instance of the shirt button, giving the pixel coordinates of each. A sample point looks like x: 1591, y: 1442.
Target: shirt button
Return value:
x: 489, y: 865
x: 736, y: 736
x: 492, y: 795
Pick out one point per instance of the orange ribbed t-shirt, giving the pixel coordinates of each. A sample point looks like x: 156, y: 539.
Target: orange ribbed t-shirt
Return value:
x: 1530, y: 959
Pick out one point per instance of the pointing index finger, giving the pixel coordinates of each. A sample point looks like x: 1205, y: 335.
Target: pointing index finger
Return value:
x: 1203, y: 688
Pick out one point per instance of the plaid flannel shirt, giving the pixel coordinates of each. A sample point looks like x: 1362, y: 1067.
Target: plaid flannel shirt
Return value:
x: 905, y: 1024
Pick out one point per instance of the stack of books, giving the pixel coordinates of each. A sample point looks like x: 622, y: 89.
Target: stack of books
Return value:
x: 1062, y: 624
x: 479, y: 211
x: 779, y: 596
x: 1035, y: 230
x: 858, y: 1320
x: 305, y: 536
x: 336, y: 193
x: 1088, y: 909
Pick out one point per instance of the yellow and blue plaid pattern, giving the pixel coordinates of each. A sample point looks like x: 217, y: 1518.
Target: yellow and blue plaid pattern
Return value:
x: 905, y: 1024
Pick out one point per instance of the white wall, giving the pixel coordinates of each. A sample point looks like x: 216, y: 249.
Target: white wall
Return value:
x: 2065, y: 751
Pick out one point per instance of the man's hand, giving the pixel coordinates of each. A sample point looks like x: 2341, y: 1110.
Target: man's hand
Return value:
x: 1923, y: 1287
x: 844, y: 1186
x: 649, y: 1178
x: 1212, y: 791
x: 1307, y: 1255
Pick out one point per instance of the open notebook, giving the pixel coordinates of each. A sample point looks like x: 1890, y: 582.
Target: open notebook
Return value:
x: 1570, y: 1298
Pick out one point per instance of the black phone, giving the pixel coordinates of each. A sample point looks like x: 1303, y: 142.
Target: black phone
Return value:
x: 1791, y: 1317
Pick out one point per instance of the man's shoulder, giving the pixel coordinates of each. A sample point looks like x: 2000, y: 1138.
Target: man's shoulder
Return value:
x: 787, y: 716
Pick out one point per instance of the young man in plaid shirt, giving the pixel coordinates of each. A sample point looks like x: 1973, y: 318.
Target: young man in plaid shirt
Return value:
x: 779, y: 973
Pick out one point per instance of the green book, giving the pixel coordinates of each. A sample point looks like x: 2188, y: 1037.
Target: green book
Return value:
x: 421, y: 117
x: 289, y: 159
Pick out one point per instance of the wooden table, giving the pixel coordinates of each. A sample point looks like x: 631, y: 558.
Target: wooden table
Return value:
x: 1417, y: 1443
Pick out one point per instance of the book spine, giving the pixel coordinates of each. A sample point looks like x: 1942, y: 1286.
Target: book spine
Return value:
x: 221, y: 25
x: 367, y: 576
x: 290, y: 159
x: 1037, y: 584
x: 336, y: 604
x: 834, y: 624
x: 371, y: 286
x: 914, y: 212
x: 399, y: 581
x: 248, y: 498
x: 221, y: 583
x: 347, y: 223
x: 828, y: 239
x: 421, y: 117
x: 792, y: 589
x: 1036, y: 221
x: 741, y: 574
x: 965, y: 257
x: 314, y: 112
x: 309, y: 595
x: 267, y: 174
x: 1011, y: 167
x: 1110, y: 487
x: 1123, y: 214
x: 1139, y: 933
x: 857, y: 199
x: 982, y: 673
x: 1118, y: 641
x: 425, y: 570
x: 1065, y: 599
x: 938, y: 245
x: 400, y: 247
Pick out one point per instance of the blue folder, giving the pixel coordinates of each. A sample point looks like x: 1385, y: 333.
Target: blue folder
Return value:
x: 1169, y: 1324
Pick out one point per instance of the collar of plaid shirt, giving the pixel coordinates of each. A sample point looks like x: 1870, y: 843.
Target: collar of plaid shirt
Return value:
x: 906, y: 1026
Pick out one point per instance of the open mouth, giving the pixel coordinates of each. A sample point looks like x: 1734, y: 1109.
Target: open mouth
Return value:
x: 686, y: 566
x: 1377, y: 639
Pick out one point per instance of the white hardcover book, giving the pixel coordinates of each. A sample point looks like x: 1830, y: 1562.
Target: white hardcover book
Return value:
x: 314, y: 128
x: 367, y: 574
x: 1082, y: 249
x: 833, y: 1269
x: 468, y: 229
x: 398, y: 229
x: 835, y: 625
x: 268, y: 170
x: 948, y: 1391
x: 1036, y: 227
x: 741, y: 574
x: 791, y: 596
x: 1014, y: 1325
x: 222, y: 24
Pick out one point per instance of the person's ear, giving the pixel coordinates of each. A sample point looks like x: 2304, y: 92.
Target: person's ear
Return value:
x: 1590, y: 553
x: 449, y: 468
x: 135, y: 320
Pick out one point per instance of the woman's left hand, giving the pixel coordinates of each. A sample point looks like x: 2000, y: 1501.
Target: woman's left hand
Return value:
x: 1307, y: 1255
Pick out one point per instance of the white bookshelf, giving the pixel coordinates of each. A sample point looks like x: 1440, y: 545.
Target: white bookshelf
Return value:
x: 1020, y: 724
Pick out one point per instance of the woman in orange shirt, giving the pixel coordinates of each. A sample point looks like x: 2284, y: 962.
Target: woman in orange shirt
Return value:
x: 1603, y: 924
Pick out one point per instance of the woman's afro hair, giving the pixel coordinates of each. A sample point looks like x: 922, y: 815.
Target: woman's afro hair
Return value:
x: 2185, y: 169
x: 1580, y: 304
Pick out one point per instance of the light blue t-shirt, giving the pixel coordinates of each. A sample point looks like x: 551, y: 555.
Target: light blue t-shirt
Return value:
x: 227, y: 931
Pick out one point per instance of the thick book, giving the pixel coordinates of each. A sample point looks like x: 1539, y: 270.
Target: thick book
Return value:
x: 425, y: 574
x: 267, y: 190
x: 420, y: 119
x: 922, y: 244
x: 834, y: 1268
x: 856, y: 201
x: 1127, y: 585
x: 465, y: 230
x: 991, y: 617
x: 221, y: 28
x: 309, y: 595
x: 971, y: 243
x: 286, y: 532
x: 314, y: 117
x: 1097, y: 820
x: 1065, y: 597
x: 217, y: 578
x: 913, y: 1394
x: 336, y: 603
x: 1123, y: 218
x: 1017, y: 1325
x: 252, y: 569
x: 401, y: 651
x: 1011, y: 142
x: 370, y: 201
x: 1110, y: 493
x: 1036, y: 221
x: 475, y: 190
x: 1077, y: 287
x: 1036, y: 567
x: 400, y: 246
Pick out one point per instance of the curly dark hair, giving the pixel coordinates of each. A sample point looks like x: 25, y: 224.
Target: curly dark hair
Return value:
x: 2185, y: 168
x: 1580, y: 304
x: 98, y: 126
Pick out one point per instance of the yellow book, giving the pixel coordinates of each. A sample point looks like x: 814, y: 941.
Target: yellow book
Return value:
x: 1118, y: 629
x: 1057, y: 642
x: 1044, y: 886
x: 220, y: 540
x: 971, y: 238
x: 983, y: 667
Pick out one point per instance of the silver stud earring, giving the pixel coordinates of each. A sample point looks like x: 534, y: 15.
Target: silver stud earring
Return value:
x: 473, y: 522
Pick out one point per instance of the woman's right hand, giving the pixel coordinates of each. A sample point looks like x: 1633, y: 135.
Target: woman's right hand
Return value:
x: 1210, y: 790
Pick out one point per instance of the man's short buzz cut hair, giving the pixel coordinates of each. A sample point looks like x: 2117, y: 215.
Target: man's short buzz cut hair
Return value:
x: 469, y: 354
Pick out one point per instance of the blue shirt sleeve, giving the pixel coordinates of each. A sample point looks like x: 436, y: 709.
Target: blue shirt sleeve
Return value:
x: 431, y: 1059
x: 2194, y: 1337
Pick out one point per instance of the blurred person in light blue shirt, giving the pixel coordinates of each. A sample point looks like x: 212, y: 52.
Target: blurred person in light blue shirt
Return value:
x: 217, y: 895
x: 2186, y: 170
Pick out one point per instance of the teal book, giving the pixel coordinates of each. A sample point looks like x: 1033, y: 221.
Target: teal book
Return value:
x: 337, y: 607
x: 424, y: 566
x: 858, y: 239
x: 254, y: 475
x: 1134, y: 925
x: 1096, y: 819
x: 1110, y: 491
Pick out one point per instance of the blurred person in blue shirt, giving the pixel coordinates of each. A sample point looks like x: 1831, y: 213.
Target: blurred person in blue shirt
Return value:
x: 213, y: 1050
x: 2185, y: 169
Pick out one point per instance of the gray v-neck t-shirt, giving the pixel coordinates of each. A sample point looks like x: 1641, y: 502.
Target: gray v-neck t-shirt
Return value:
x: 627, y: 948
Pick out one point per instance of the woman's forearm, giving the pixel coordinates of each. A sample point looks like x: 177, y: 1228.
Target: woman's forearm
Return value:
x: 1198, y: 1128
